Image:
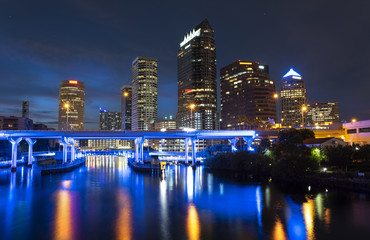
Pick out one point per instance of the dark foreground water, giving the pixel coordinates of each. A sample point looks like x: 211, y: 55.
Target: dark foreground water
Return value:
x: 106, y: 200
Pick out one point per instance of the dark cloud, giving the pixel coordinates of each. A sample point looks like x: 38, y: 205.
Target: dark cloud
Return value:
x: 45, y: 42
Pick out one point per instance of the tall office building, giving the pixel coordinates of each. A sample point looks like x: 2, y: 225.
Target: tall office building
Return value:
x: 109, y: 120
x: 26, y: 109
x: 144, y: 93
x: 321, y: 113
x: 126, y: 107
x: 71, y: 105
x: 246, y: 91
x: 293, y: 99
x: 197, y: 80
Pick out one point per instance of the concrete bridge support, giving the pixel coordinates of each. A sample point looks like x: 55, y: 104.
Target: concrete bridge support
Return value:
x: 30, y: 142
x: 249, y: 142
x: 14, y: 142
x: 139, y: 149
x: 187, y: 140
x: 64, y: 142
x: 73, y: 149
x: 233, y: 142
x: 194, y: 151
x: 142, y: 149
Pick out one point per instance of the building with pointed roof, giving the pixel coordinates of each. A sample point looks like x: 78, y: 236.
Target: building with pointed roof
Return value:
x: 197, y: 79
x: 293, y: 99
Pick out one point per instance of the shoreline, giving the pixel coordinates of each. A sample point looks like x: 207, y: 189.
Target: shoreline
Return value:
x: 345, y: 184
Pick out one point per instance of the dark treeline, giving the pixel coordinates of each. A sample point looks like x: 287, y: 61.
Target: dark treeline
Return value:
x: 289, y: 158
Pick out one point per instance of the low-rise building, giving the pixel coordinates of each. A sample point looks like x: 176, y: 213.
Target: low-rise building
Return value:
x: 324, y: 142
x: 15, y: 123
x: 357, y: 132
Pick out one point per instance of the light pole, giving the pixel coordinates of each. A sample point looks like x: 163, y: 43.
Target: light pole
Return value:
x: 304, y: 108
x: 192, y: 106
x: 66, y: 106
x: 125, y: 95
x: 276, y: 96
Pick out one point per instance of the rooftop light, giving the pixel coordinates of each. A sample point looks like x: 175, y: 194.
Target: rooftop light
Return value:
x: 291, y: 72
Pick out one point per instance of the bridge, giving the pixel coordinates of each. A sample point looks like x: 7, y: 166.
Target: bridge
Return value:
x: 68, y: 139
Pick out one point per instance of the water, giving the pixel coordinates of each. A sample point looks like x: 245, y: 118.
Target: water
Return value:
x: 106, y: 200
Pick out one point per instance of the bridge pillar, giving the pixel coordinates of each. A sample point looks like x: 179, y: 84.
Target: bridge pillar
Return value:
x: 14, y: 143
x: 30, y: 142
x: 142, y: 139
x: 233, y: 142
x: 65, y: 149
x: 73, y: 149
x: 187, y: 140
x: 194, y: 151
x: 249, y: 143
x: 137, y: 146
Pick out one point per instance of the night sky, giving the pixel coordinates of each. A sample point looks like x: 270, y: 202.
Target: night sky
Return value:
x: 45, y: 42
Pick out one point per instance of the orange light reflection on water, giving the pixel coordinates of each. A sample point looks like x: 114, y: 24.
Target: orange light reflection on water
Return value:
x: 124, y: 223
x: 309, y: 215
x: 63, y: 228
x: 193, y: 224
x: 279, y: 233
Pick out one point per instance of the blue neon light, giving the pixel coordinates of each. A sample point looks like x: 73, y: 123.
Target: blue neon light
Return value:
x: 291, y: 72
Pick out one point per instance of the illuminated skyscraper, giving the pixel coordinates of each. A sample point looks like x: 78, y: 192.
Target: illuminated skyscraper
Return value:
x: 109, y: 120
x: 126, y: 107
x: 293, y: 99
x: 71, y: 105
x: 144, y: 92
x: 196, y: 79
x: 246, y: 91
x: 322, y: 112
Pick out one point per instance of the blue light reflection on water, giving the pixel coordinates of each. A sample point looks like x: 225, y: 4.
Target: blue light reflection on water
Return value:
x: 106, y: 200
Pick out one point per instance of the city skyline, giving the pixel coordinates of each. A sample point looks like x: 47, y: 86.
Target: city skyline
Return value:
x: 43, y: 59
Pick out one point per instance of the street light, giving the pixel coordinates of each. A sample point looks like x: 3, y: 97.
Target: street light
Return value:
x: 66, y: 106
x: 125, y: 95
x: 354, y: 120
x: 192, y: 106
x: 276, y: 95
x: 304, y: 108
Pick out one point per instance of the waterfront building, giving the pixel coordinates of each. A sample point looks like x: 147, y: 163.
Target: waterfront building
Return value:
x: 197, y: 82
x: 126, y: 107
x: 103, y: 144
x: 165, y: 145
x: 71, y: 105
x: 144, y: 93
x: 247, y: 94
x: 321, y: 113
x: 109, y: 120
x: 293, y: 99
x: 357, y: 132
x: 15, y: 123
x: 26, y: 109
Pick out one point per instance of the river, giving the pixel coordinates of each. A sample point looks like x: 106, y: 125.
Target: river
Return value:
x: 105, y: 199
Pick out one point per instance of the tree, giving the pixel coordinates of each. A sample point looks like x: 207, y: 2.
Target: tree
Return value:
x: 339, y: 156
x: 294, y: 136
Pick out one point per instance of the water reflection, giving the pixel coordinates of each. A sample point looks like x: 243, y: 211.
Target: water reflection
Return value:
x: 64, y: 223
x: 193, y: 225
x: 124, y: 222
x: 309, y: 215
x: 164, y: 218
x: 279, y: 233
x: 106, y: 200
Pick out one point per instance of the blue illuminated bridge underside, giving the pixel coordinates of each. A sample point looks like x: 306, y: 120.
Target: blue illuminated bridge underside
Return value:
x: 68, y: 139
x: 222, y: 134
